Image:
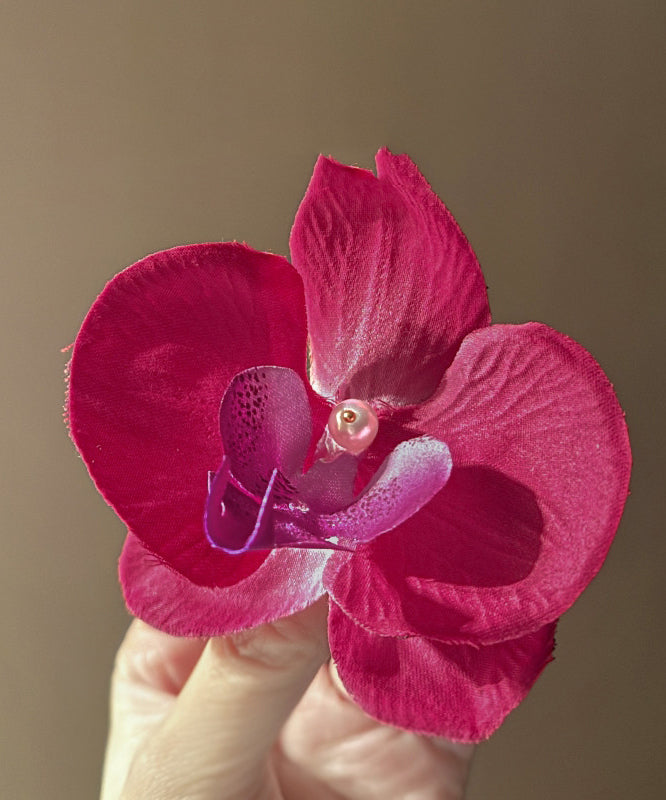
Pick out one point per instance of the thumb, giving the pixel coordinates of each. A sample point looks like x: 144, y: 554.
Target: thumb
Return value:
x: 216, y: 741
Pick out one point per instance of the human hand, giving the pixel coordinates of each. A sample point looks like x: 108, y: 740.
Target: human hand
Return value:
x: 260, y: 715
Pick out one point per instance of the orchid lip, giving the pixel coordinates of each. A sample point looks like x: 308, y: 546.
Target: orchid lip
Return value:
x: 260, y: 497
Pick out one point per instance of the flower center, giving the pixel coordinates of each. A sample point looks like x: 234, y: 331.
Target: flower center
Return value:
x: 353, y: 425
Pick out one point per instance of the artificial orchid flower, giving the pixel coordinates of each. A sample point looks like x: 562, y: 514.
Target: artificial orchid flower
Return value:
x: 452, y: 485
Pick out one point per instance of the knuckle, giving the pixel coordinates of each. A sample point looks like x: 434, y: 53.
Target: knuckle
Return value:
x: 132, y: 663
x: 281, y: 645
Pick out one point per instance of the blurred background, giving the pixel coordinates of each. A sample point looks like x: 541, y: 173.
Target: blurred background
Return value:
x: 130, y: 127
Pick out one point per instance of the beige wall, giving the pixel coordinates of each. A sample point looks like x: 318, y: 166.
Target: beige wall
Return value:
x: 128, y: 127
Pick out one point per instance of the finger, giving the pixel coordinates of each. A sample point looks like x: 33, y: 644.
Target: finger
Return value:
x: 355, y: 753
x: 430, y: 765
x: 217, y: 739
x: 154, y: 659
x: 150, y: 669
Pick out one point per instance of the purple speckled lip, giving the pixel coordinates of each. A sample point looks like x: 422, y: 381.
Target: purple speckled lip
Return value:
x: 260, y: 498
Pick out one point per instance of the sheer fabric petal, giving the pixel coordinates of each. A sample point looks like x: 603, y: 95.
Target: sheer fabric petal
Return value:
x: 265, y: 423
x: 149, y: 368
x: 287, y: 581
x: 392, y: 284
x: 541, y: 469
x: 457, y: 691
x: 408, y: 479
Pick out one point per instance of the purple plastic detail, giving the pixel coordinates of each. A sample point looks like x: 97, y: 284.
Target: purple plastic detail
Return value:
x: 259, y: 498
x: 235, y: 520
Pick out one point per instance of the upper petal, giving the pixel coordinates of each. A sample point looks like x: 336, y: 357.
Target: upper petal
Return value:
x: 149, y: 368
x: 541, y: 469
x: 392, y: 285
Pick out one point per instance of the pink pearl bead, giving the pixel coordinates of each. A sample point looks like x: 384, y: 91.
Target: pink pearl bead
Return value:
x: 353, y: 425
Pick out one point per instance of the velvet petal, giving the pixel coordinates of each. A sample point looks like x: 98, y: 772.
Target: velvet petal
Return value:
x: 392, y: 285
x: 541, y: 469
x: 287, y: 581
x: 150, y: 365
x: 457, y: 691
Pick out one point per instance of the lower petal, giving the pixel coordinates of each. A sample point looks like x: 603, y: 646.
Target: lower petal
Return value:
x: 541, y: 470
x: 286, y: 582
x: 458, y: 691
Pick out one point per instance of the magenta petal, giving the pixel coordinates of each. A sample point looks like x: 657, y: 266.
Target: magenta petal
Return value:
x: 266, y: 424
x: 392, y: 285
x: 287, y: 581
x: 542, y: 465
x: 457, y: 691
x: 149, y: 368
x: 409, y: 478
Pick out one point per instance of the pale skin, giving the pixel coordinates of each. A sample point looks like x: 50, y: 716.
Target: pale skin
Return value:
x: 259, y: 715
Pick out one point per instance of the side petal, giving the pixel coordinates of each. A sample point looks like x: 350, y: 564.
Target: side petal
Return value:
x: 287, y: 581
x: 149, y: 368
x: 392, y: 285
x: 541, y: 470
x: 408, y: 478
x: 266, y: 424
x: 458, y: 691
